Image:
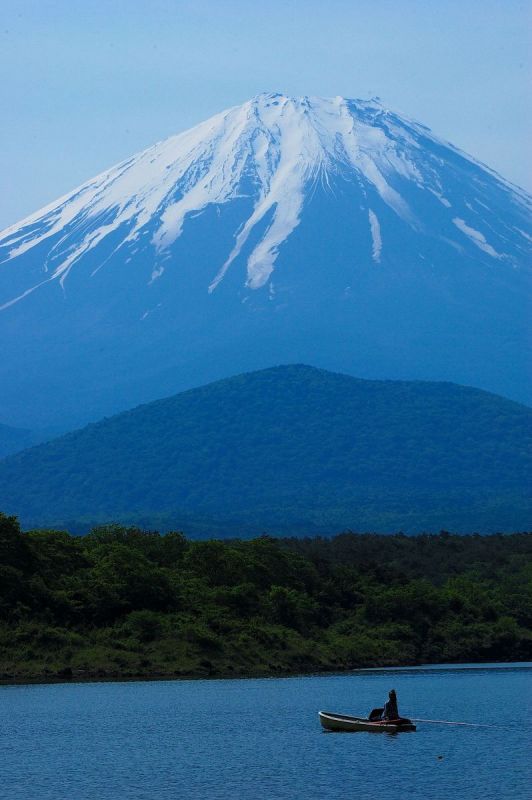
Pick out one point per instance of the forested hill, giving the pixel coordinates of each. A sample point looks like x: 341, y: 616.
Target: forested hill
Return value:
x: 122, y: 602
x: 290, y: 449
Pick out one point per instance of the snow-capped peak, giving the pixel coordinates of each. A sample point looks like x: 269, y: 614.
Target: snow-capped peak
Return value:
x: 272, y: 150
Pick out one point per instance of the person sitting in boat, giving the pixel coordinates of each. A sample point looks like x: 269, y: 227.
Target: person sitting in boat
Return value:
x: 390, y: 710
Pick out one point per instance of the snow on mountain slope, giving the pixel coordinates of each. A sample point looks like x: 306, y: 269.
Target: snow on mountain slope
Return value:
x: 280, y: 145
x: 290, y: 206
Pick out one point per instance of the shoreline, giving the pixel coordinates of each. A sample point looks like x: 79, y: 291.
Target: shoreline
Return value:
x: 128, y: 605
x: 103, y: 676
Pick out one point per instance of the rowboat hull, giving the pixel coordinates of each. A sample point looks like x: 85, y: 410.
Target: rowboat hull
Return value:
x: 343, y: 722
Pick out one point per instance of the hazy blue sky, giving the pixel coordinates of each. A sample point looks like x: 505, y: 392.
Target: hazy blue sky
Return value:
x: 86, y: 84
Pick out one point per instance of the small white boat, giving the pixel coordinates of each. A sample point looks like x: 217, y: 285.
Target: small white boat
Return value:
x: 343, y: 722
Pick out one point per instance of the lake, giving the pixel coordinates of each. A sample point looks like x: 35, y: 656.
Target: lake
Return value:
x: 261, y: 738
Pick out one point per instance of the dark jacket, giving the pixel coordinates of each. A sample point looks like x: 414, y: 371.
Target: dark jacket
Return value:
x: 390, y: 709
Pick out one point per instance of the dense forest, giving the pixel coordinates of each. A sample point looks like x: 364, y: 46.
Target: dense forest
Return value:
x: 289, y: 450
x: 124, y: 602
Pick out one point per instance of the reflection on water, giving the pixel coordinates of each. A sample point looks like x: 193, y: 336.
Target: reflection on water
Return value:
x: 262, y: 738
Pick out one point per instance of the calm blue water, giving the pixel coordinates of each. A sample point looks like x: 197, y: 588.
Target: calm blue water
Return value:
x: 262, y: 739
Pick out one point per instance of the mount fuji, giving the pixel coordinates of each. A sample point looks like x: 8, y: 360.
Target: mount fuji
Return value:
x: 327, y: 231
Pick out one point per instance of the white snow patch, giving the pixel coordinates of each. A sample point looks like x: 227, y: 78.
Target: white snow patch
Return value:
x: 24, y: 294
x: 284, y: 164
x: 443, y: 200
x: 376, y: 236
x: 523, y: 233
x: 476, y: 237
x: 157, y: 272
x: 150, y: 311
x: 89, y: 242
x: 370, y: 152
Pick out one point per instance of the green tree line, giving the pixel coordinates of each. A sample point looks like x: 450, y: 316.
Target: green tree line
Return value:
x: 125, y: 602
